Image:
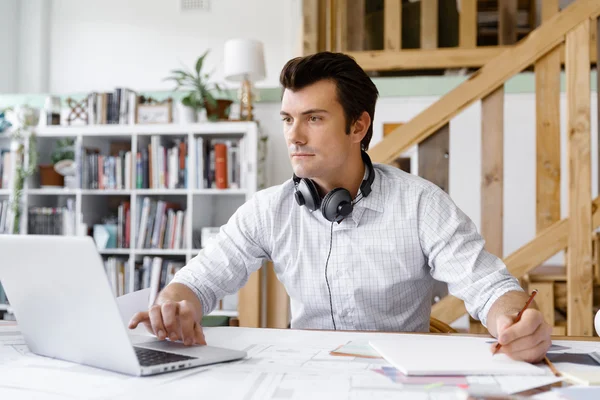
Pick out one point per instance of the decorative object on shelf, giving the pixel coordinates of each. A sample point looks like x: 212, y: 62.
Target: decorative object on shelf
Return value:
x: 245, y: 62
x: 63, y: 156
x: 199, y: 89
x: 52, y: 110
x: 24, y: 119
x: 78, y: 111
x: 152, y: 111
x: 4, y: 123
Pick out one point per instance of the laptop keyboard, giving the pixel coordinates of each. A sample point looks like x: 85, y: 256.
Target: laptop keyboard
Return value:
x: 148, y: 357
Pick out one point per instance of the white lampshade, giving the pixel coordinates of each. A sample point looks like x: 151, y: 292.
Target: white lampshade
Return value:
x: 244, y: 58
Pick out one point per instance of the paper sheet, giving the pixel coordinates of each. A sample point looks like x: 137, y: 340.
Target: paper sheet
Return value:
x: 356, y: 349
x: 448, y: 355
x: 578, y: 393
x: 132, y: 303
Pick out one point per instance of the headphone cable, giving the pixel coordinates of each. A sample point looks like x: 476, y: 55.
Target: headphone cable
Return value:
x: 327, y: 280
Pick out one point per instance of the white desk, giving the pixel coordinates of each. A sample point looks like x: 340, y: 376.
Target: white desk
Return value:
x: 282, y: 364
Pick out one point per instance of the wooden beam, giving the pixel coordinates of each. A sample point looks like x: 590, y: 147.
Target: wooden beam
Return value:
x: 545, y: 299
x: 410, y: 59
x: 331, y: 25
x: 446, y: 57
x: 356, y: 25
x: 341, y: 33
x: 484, y: 81
x: 310, y: 26
x: 278, y: 301
x: 547, y: 92
x: 249, y: 301
x: 434, y: 158
x: 546, y: 244
x: 467, y: 34
x: 579, y: 267
x: 598, y: 92
x: 533, y: 14
x: 323, y: 31
x: 492, y: 171
x: 507, y: 21
x: 429, y: 24
x: 392, y: 25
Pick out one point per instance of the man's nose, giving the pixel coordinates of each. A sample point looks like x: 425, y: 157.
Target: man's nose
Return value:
x: 295, y: 134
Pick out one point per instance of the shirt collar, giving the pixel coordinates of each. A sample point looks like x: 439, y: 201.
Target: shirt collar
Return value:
x: 374, y: 201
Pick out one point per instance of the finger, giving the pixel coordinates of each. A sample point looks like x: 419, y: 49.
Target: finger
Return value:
x: 502, y: 323
x: 137, y: 318
x: 158, y: 326
x: 148, y: 326
x: 170, y: 311
x: 199, y: 334
x: 527, y: 342
x: 532, y: 355
x: 186, y: 321
x: 530, y: 321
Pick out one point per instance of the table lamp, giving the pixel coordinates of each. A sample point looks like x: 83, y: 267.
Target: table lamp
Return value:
x: 244, y: 62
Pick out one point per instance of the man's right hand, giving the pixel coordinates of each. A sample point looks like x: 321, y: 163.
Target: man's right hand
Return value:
x: 176, y: 320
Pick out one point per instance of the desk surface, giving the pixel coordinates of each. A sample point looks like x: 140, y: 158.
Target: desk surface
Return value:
x: 282, y: 364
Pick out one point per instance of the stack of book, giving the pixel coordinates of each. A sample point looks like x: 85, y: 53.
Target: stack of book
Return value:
x: 218, y: 164
x: 161, y: 225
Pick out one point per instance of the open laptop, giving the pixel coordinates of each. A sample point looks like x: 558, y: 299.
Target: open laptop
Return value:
x: 65, y: 309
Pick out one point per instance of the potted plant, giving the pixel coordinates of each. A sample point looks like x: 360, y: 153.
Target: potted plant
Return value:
x: 64, y: 151
x: 23, y: 123
x: 199, y: 90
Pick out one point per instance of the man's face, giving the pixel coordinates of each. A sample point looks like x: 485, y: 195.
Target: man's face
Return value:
x: 314, y: 128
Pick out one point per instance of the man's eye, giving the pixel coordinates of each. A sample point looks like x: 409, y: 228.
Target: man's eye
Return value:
x: 314, y: 119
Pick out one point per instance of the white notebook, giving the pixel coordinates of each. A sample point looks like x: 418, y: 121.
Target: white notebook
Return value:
x: 414, y: 354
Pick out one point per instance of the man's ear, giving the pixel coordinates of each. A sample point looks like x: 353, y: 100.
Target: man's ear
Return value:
x: 359, y: 128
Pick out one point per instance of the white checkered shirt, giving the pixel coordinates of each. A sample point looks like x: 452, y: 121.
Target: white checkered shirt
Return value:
x: 383, y: 262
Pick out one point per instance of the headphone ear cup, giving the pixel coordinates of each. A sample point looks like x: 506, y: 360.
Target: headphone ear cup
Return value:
x: 310, y: 194
x: 337, y: 203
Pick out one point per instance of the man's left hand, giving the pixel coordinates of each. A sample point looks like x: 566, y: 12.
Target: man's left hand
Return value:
x: 527, y: 340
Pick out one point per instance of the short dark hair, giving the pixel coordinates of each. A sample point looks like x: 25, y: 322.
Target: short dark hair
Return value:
x: 356, y: 92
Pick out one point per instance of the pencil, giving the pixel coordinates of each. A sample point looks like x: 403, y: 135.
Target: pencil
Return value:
x: 498, y: 345
x: 552, y: 367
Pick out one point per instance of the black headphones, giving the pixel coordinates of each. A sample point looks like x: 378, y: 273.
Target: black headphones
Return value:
x: 337, y: 204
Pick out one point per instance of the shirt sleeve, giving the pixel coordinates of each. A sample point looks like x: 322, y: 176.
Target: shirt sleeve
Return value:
x: 456, y: 255
x: 224, y: 266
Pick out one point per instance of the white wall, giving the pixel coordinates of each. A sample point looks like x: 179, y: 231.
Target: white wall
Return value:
x: 8, y: 45
x: 97, y: 45
x: 33, y: 60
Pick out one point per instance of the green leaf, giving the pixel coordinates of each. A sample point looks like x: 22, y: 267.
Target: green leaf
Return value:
x: 200, y: 62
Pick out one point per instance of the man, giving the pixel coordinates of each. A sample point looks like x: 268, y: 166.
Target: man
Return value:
x: 356, y: 246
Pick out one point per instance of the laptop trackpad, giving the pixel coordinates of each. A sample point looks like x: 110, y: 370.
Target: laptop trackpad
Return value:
x: 202, y: 352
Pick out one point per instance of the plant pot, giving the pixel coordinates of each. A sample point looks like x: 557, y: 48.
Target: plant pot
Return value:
x: 218, y: 112
x: 49, y: 177
x: 186, y: 115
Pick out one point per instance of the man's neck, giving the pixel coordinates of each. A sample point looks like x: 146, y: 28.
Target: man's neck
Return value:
x: 350, y: 178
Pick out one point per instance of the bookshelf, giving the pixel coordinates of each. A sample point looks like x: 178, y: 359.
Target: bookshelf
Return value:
x: 193, y: 201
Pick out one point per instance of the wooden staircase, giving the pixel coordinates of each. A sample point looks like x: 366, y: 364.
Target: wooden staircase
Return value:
x: 542, y: 48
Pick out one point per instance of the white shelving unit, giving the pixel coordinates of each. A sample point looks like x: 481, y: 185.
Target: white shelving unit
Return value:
x: 205, y: 207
